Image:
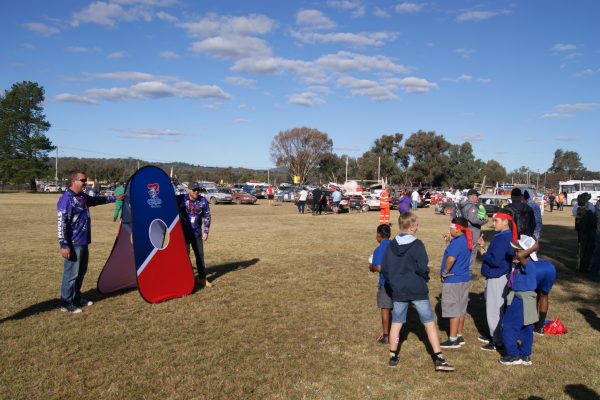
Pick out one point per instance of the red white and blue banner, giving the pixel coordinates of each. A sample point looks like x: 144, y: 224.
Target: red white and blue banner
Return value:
x: 150, y: 247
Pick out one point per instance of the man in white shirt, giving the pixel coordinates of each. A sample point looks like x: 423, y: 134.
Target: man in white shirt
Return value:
x: 302, y: 200
x: 415, y: 199
x: 336, y: 197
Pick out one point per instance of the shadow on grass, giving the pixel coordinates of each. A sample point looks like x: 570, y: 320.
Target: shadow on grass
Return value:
x: 54, y: 304
x: 413, y: 324
x: 475, y: 308
x: 591, y: 317
x: 215, y: 272
x: 581, y: 392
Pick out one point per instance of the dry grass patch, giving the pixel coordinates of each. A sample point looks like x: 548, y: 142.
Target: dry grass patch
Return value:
x: 292, y: 316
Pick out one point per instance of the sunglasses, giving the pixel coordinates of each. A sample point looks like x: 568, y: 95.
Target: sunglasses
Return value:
x: 84, y: 180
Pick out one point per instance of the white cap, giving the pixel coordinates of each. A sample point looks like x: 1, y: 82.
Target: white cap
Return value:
x: 525, y: 243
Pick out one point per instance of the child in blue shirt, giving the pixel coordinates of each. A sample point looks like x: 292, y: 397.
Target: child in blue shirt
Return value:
x: 495, y: 267
x: 456, y: 280
x: 384, y: 298
x: 521, y: 313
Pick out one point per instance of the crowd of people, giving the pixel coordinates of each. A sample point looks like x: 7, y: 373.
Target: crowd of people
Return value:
x: 517, y: 281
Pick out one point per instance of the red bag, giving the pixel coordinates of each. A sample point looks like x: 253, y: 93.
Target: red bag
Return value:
x: 555, y: 327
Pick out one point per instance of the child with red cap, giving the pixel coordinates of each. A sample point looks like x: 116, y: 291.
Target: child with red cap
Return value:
x: 456, y: 280
x: 495, y: 267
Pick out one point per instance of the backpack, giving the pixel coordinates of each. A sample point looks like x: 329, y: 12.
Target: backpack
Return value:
x: 457, y: 210
x: 523, y: 217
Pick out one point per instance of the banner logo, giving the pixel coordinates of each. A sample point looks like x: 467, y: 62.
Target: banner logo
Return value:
x: 153, y: 200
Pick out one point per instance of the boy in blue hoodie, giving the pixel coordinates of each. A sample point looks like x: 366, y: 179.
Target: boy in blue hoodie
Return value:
x: 406, y: 273
x: 495, y: 267
x: 521, y: 314
x: 384, y: 300
x: 456, y: 280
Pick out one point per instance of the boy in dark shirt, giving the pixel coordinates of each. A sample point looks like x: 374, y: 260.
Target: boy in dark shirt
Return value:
x: 384, y: 300
x: 405, y: 270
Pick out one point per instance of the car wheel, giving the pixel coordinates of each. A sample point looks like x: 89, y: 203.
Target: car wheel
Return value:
x: 213, y: 201
x: 448, y: 210
x: 366, y: 208
x: 238, y: 201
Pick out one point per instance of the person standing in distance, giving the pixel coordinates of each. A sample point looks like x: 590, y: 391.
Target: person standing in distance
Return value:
x: 194, y: 212
x: 316, y: 200
x: 74, y: 236
x: 415, y: 199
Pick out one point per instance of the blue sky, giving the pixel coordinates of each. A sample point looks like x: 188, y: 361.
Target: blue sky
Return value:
x: 211, y: 83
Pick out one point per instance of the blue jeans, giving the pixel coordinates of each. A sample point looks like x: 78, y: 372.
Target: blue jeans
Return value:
x: 74, y: 270
x: 513, y: 330
x: 423, y: 308
x: 414, y: 205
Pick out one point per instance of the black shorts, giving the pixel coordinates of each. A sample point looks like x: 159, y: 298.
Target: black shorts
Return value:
x: 270, y: 196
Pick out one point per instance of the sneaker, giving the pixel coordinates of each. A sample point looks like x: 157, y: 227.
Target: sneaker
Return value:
x: 484, y: 338
x: 85, y: 302
x: 442, y: 365
x: 539, y: 331
x: 526, y: 360
x: 383, y: 339
x: 393, y: 362
x: 450, y: 344
x: 511, y: 360
x: 489, y: 347
x: 461, y: 340
x: 71, y: 309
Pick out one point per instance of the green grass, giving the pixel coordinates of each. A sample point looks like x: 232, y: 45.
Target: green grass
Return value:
x: 292, y: 316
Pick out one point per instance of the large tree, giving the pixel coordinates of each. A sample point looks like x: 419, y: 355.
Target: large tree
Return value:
x: 24, y: 146
x: 429, y: 153
x: 300, y: 150
x: 493, y: 171
x: 463, y: 167
x: 566, y: 163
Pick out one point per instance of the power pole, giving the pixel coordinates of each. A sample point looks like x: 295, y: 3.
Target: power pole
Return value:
x: 346, y: 168
x: 56, y: 167
x: 378, y: 169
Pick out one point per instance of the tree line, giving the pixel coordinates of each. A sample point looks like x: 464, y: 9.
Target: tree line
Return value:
x: 423, y: 158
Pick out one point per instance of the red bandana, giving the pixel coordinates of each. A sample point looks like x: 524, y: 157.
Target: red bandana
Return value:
x: 515, y: 236
x: 467, y: 233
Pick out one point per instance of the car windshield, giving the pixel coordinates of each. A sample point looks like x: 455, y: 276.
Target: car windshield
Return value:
x: 226, y: 191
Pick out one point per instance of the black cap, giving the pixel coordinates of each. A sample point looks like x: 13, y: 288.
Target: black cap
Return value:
x: 516, y: 192
x: 195, y: 187
x: 472, y: 192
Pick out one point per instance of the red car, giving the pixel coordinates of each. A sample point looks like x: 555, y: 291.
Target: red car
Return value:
x: 241, y: 197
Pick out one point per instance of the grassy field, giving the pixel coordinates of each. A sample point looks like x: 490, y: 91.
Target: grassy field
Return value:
x: 292, y: 316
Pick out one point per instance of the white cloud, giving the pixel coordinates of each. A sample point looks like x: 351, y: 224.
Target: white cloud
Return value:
x: 354, y: 6
x: 163, y: 16
x: 73, y: 98
x: 585, y: 73
x: 41, y: 28
x: 117, y: 54
x: 239, y: 81
x: 564, y: 47
x: 241, y: 121
x: 246, y: 107
x: 573, y: 56
x: 101, y: 13
x: 308, y: 71
x: 346, y: 61
x: 380, y: 12
x: 578, y: 107
x: 356, y: 39
x: 475, y: 137
x: 233, y: 46
x: 367, y: 88
x: 566, y: 138
x: 557, y: 115
x: 412, y: 84
x: 213, y: 24
x: 157, y: 3
x: 129, y: 76
x: 76, y: 49
x: 313, y: 19
x: 477, y: 16
x: 150, y: 133
x: 306, y: 99
x: 461, y: 78
x: 484, y: 80
x: 319, y: 89
x: 465, y: 53
x: 408, y: 8
x: 169, y: 55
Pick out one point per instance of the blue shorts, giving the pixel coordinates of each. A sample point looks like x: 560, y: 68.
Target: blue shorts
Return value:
x: 545, y: 276
x: 423, y: 308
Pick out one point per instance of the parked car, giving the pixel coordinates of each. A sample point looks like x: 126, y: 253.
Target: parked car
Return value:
x: 370, y: 202
x: 444, y: 206
x: 240, y: 197
x: 52, y: 187
x: 216, y: 196
x: 492, y: 202
x: 286, y: 194
x: 352, y: 202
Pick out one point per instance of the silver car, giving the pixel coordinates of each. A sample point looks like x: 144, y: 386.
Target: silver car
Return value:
x: 215, y: 196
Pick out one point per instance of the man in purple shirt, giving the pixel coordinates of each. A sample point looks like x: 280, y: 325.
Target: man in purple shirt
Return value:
x: 194, y: 212
x: 74, y: 236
